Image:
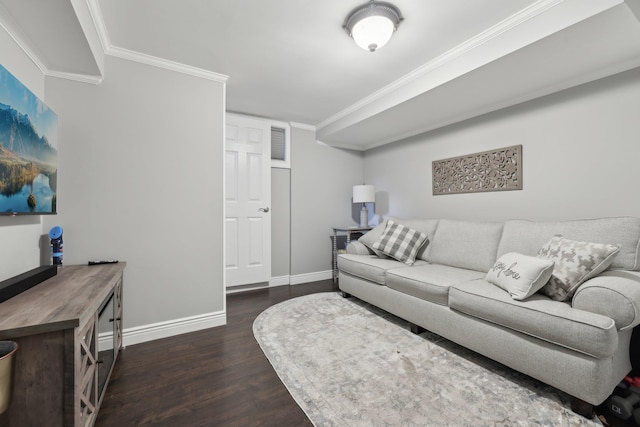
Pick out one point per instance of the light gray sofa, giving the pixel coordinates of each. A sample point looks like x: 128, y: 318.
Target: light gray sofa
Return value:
x: 580, y: 346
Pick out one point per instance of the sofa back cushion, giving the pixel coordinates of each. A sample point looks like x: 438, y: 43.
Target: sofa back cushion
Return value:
x: 427, y: 226
x: 527, y: 237
x: 400, y: 242
x: 372, y: 236
x: 465, y: 244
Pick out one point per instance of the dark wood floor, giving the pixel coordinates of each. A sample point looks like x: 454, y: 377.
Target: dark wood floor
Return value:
x: 214, y: 377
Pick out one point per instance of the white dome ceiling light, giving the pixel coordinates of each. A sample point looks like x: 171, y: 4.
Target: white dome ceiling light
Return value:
x: 372, y: 24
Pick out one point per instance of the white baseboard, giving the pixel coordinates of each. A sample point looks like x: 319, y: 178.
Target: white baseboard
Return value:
x: 140, y: 334
x: 245, y: 288
x: 105, y: 341
x: 299, y: 279
x: 154, y: 331
x: 279, y: 281
x: 284, y: 281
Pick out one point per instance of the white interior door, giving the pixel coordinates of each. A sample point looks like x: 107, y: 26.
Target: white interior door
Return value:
x: 247, y: 200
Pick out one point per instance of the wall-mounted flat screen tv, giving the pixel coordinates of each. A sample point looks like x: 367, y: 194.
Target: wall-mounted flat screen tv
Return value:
x: 28, y: 150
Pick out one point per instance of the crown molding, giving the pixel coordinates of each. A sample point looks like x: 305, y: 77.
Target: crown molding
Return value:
x: 98, y: 22
x: 96, y: 15
x: 302, y: 126
x: 524, y: 15
x: 542, y: 19
x: 154, y: 61
x: 88, y: 27
x: 142, y: 58
x: 11, y: 28
x: 82, y: 78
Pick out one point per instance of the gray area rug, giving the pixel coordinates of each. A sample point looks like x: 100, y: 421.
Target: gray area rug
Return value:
x: 347, y: 363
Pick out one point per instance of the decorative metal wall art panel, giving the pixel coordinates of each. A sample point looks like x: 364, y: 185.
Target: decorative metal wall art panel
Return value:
x: 493, y: 170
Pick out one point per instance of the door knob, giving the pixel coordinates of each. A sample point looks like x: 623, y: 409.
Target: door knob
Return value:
x: 265, y: 210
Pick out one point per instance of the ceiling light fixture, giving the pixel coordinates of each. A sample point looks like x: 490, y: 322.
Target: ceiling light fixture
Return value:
x: 372, y: 24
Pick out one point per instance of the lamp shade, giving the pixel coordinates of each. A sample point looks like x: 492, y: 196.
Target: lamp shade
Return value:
x: 364, y: 194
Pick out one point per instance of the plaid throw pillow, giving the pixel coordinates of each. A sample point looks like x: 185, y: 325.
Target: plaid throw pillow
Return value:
x: 575, y: 263
x: 400, y: 242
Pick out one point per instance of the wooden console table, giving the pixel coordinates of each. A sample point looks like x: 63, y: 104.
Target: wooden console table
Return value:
x: 62, y: 369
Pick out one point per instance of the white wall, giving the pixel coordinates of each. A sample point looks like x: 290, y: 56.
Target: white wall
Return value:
x: 140, y: 180
x: 580, y: 158
x: 20, y: 236
x: 322, y: 179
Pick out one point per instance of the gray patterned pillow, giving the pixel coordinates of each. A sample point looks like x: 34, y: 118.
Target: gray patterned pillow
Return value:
x: 400, y: 242
x: 575, y: 263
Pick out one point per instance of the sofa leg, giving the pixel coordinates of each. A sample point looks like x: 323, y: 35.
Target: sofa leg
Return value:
x: 344, y: 294
x: 416, y: 329
x: 581, y: 407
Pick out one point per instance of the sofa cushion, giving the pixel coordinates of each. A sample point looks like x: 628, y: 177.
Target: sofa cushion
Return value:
x: 369, y: 267
x: 372, y: 236
x: 356, y: 248
x: 575, y: 263
x: 527, y: 237
x: 465, y: 244
x: 553, y: 321
x: 429, y: 282
x: 426, y: 226
x: 400, y: 242
x: 520, y: 275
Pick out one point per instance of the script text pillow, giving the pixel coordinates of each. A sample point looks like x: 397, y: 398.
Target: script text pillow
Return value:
x: 520, y: 275
x: 575, y: 263
x: 400, y: 242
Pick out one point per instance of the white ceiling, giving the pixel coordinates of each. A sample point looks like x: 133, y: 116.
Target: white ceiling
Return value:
x: 50, y: 30
x: 291, y: 60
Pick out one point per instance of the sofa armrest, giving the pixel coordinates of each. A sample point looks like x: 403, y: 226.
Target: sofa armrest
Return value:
x: 357, y: 248
x: 615, y: 294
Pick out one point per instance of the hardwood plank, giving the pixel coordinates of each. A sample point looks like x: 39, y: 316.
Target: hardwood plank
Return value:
x: 217, y: 376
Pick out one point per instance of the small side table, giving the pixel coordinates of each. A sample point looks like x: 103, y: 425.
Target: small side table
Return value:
x: 348, y: 231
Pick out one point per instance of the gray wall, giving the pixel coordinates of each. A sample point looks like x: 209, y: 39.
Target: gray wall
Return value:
x: 322, y: 178
x: 280, y: 222
x: 580, y: 158
x: 140, y: 178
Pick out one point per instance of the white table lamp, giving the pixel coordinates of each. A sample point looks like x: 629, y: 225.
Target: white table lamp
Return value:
x: 364, y: 194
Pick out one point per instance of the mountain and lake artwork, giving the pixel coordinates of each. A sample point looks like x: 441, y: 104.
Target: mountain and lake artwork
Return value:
x: 28, y: 150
